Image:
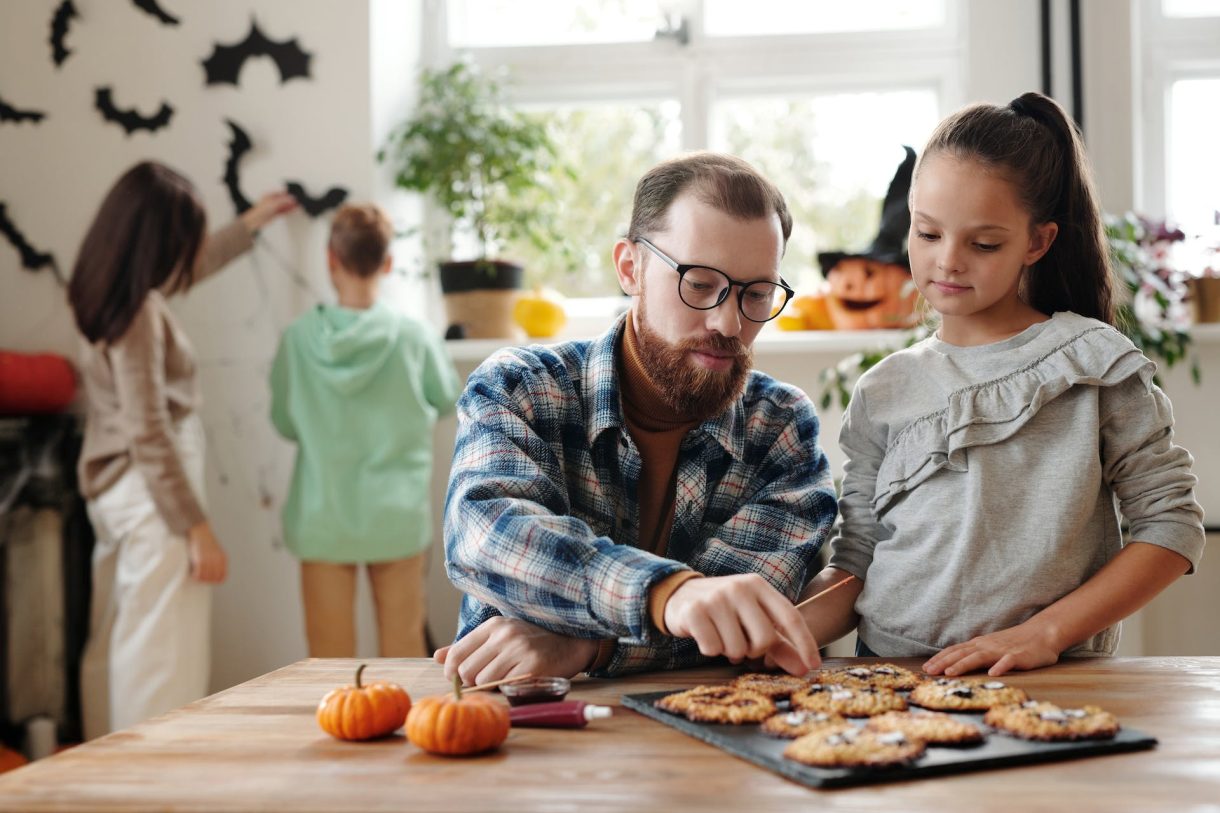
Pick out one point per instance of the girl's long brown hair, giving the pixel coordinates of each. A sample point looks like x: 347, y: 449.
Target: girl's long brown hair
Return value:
x: 1037, y: 147
x: 146, y: 236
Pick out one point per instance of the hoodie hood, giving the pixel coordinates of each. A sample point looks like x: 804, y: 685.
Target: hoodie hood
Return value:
x: 346, y: 347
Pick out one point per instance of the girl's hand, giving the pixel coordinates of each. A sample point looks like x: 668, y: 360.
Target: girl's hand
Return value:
x: 1020, y: 647
x: 268, y: 208
x: 209, y: 564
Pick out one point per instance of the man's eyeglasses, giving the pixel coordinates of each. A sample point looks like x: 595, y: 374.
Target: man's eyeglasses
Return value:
x: 704, y: 288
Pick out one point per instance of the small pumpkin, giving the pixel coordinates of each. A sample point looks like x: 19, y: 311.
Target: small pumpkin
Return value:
x: 540, y: 313
x: 457, y: 725
x: 363, y: 711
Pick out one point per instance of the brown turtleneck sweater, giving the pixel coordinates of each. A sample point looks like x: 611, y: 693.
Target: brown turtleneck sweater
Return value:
x: 658, y: 433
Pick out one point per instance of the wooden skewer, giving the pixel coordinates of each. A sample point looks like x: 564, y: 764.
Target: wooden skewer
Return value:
x: 817, y: 596
x: 493, y: 684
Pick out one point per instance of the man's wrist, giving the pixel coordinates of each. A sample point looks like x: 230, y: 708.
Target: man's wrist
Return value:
x: 602, y: 655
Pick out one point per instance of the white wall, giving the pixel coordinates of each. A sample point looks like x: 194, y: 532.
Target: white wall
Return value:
x: 319, y: 131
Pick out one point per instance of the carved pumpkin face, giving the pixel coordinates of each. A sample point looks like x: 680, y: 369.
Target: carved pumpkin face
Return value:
x: 865, y: 295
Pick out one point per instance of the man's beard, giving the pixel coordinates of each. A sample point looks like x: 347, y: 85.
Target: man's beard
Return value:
x: 687, y: 387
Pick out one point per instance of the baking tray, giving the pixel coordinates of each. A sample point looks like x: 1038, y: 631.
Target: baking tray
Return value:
x: 997, y: 751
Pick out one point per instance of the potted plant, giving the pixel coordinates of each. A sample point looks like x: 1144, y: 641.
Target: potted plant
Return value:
x: 486, y: 165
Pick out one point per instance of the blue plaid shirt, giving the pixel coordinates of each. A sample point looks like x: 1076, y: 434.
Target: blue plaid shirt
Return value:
x: 541, y: 515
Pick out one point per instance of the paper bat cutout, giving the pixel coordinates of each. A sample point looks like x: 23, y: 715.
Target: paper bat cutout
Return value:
x: 151, y: 7
x: 59, y: 30
x: 10, y: 113
x: 31, y: 258
x: 316, y: 206
x: 226, y: 61
x: 130, y: 119
x: 239, y: 146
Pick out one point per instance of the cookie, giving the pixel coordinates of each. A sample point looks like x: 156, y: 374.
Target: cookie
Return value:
x: 774, y: 686
x: 789, y: 725
x: 1046, y: 721
x: 850, y: 701
x: 719, y: 704
x: 961, y: 694
x: 850, y: 747
x: 933, y: 727
x: 886, y: 675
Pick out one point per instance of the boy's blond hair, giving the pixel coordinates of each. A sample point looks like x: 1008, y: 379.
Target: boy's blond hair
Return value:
x: 360, y: 237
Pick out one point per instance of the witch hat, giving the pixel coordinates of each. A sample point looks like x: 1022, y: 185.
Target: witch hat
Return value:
x: 890, y: 245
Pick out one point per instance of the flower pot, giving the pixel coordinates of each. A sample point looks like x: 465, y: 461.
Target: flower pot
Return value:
x: 479, y: 298
x: 1205, y: 298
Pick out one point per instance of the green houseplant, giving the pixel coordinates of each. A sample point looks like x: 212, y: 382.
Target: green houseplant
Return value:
x: 1151, y: 309
x: 487, y: 166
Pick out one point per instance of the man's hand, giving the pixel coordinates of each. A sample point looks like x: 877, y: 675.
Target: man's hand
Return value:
x: 742, y: 617
x: 505, y: 647
x: 1025, y: 646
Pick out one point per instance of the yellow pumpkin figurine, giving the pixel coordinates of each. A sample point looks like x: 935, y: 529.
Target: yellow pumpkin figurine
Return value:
x: 363, y: 711
x: 540, y: 313
x: 457, y: 724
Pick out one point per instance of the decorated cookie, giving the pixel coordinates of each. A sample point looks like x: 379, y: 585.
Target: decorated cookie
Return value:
x: 962, y: 694
x: 850, y: 701
x: 886, y: 675
x: 847, y: 746
x: 1033, y: 720
x: 933, y: 727
x: 775, y: 686
x: 719, y: 704
x: 792, y: 724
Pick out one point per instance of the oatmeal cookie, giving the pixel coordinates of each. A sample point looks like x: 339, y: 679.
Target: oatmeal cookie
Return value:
x: 719, y: 704
x: 1046, y: 721
x: 850, y: 701
x: 774, y: 686
x: 789, y: 725
x: 886, y: 675
x: 933, y: 727
x: 851, y: 747
x: 961, y: 694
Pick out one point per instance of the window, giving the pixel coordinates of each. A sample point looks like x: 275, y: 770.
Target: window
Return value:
x: 1180, y: 174
x: 819, y: 96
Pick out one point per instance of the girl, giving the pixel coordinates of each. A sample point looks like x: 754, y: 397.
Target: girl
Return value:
x: 987, y: 465
x: 141, y: 466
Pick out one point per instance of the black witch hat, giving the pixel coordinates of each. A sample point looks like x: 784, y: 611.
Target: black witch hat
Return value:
x: 890, y: 245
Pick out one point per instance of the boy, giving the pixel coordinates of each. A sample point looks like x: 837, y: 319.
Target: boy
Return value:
x: 358, y: 388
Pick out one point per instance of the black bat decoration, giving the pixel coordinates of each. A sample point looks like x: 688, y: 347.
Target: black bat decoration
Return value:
x: 130, y: 119
x: 31, y: 258
x: 59, y: 30
x: 152, y: 8
x: 10, y: 113
x: 226, y: 61
x: 316, y: 206
x: 239, y: 146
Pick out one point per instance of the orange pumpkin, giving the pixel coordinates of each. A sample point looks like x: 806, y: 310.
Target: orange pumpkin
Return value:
x: 362, y: 712
x: 865, y: 294
x: 456, y: 725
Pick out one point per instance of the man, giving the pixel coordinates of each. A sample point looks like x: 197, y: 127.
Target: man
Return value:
x: 644, y: 500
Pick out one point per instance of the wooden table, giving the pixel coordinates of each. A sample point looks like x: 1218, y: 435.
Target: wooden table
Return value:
x: 257, y: 747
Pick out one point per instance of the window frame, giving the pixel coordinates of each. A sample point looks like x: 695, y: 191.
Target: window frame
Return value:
x: 1170, y: 49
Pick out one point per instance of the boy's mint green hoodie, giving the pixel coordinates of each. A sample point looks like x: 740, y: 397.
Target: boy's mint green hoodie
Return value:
x: 359, y: 391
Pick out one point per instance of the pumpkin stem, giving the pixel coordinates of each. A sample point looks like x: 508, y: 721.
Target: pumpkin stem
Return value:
x: 457, y: 687
x: 359, y: 672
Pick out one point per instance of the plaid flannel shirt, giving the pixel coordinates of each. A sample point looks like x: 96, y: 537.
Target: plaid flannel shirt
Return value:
x: 541, y: 513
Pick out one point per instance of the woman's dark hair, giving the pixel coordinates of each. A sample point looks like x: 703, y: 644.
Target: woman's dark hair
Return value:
x: 146, y: 236
x: 1037, y: 147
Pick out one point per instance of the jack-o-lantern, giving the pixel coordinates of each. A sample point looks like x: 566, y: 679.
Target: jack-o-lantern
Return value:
x: 872, y: 288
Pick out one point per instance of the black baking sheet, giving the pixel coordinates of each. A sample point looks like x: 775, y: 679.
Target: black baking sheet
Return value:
x: 997, y: 751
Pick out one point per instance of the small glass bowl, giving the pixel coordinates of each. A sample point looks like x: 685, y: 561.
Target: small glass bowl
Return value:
x: 536, y: 690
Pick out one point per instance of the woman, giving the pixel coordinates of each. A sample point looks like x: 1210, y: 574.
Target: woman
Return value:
x: 141, y: 467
